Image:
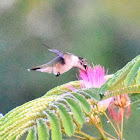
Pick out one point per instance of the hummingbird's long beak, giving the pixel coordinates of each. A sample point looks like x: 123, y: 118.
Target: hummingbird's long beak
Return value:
x: 85, y: 66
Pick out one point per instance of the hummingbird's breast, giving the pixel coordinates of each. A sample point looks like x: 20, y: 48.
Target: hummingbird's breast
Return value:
x: 64, y: 67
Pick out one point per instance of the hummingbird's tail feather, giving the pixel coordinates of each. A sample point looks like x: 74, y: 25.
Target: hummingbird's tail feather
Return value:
x: 37, y: 68
x: 48, y: 69
x: 32, y: 69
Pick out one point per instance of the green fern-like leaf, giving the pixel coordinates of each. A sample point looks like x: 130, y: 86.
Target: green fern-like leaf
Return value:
x: 125, y: 80
x: 55, y: 126
x: 77, y: 111
x: 134, y: 98
x: 42, y: 130
x: 132, y: 73
x: 121, y: 75
x: 138, y: 77
x: 123, y: 72
x: 93, y: 93
x: 60, y: 91
x: 66, y: 119
x: 83, y: 102
x: 129, y: 89
x: 18, y: 121
x: 31, y: 134
x: 13, y: 138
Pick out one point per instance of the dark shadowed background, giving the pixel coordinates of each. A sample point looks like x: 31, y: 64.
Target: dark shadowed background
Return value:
x: 105, y: 32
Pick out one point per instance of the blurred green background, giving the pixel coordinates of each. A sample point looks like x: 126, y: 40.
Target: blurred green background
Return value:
x: 105, y: 32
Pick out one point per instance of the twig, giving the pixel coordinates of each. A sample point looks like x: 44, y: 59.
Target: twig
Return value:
x: 111, y: 123
x: 99, y: 129
x: 85, y: 135
x: 117, y: 124
x: 79, y: 137
x: 110, y: 135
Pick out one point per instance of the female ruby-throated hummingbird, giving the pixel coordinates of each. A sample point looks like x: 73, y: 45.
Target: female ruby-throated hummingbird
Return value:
x: 62, y: 63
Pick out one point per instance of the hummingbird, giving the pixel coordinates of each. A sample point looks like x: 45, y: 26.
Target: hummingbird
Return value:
x: 62, y: 63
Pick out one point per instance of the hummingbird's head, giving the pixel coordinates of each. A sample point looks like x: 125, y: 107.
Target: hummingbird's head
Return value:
x: 82, y: 63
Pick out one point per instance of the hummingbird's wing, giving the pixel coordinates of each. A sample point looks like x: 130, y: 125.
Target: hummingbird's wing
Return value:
x: 50, y: 64
x: 56, y: 60
x: 57, y: 52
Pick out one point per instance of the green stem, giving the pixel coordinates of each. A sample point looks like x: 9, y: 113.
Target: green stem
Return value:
x: 110, y: 135
x: 81, y: 138
x: 99, y: 129
x: 85, y: 135
x: 111, y: 123
x: 99, y: 117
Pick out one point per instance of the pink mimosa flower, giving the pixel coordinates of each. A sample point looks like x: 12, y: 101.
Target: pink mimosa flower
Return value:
x: 120, y: 102
x: 95, y: 77
x: 92, y: 77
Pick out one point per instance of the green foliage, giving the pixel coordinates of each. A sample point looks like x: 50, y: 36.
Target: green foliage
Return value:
x: 83, y: 102
x: 13, y: 138
x: 18, y: 121
x: 138, y: 77
x: 42, y: 130
x: 76, y: 109
x: 121, y: 75
x: 132, y: 73
x: 61, y: 110
x: 130, y: 89
x: 66, y: 119
x: 31, y: 134
x: 55, y: 126
x: 134, y: 98
x: 59, y: 91
x: 93, y: 93
x: 124, y: 81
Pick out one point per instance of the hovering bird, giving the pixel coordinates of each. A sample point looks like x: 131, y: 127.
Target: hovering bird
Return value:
x: 62, y: 63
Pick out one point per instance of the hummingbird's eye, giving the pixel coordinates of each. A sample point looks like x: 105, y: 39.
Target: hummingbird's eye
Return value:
x: 81, y: 63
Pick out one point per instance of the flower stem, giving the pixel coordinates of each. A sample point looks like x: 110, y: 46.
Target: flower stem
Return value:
x: 111, y: 123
